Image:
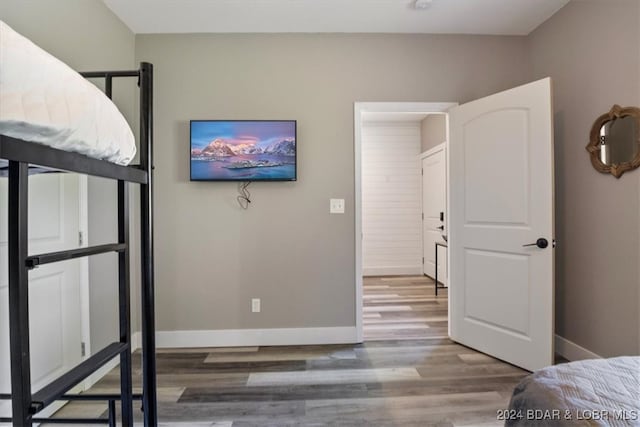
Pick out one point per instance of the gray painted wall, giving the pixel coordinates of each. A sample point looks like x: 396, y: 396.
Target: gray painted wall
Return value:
x: 590, y: 49
x: 433, y: 131
x: 286, y: 249
x: 87, y: 36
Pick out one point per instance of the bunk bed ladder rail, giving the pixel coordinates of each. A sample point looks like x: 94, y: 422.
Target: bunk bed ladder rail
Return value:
x: 25, y: 404
x: 149, y: 401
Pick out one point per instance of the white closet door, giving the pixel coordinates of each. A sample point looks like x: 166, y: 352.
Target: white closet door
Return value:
x: 434, y: 201
x: 54, y: 289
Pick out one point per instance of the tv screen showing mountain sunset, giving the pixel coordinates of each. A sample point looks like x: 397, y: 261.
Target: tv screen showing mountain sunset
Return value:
x: 243, y: 150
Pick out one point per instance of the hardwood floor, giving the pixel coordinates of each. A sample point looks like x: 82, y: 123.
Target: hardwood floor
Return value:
x: 407, y: 373
x: 403, y: 308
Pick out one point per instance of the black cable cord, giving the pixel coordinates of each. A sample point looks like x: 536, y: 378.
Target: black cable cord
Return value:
x: 245, y: 196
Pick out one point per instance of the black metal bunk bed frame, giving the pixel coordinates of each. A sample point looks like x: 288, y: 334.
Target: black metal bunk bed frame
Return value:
x: 22, y: 153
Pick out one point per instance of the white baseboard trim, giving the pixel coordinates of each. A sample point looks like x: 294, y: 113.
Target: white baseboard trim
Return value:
x: 256, y: 337
x: 97, y: 375
x: 572, y: 351
x: 5, y: 411
x: 408, y: 270
x: 136, y: 339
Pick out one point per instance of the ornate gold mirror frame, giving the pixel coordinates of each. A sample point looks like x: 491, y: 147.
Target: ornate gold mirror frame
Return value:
x: 596, y: 141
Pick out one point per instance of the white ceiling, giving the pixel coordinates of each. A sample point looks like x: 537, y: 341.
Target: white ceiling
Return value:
x: 498, y: 17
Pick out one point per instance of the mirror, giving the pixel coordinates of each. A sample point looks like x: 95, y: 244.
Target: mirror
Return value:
x: 614, y: 143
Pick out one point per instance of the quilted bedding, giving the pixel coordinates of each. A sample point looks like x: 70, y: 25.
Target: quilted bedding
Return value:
x: 601, y: 392
x: 43, y: 100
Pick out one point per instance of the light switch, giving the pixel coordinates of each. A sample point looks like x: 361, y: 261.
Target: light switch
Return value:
x: 336, y: 206
x: 255, y: 305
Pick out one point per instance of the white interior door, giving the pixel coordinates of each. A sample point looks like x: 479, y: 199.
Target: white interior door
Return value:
x: 434, y: 201
x: 54, y: 289
x: 501, y: 199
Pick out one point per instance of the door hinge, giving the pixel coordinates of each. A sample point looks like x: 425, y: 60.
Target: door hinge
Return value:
x: 422, y: 260
x: 423, y: 216
x: 83, y: 349
x: 422, y: 171
x: 80, y: 238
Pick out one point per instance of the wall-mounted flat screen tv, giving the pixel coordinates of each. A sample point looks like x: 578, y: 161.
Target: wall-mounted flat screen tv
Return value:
x: 243, y: 150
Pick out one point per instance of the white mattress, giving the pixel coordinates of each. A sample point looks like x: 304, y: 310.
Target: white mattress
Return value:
x: 43, y: 100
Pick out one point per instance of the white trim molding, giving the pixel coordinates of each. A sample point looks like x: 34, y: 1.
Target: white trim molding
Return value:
x: 256, y: 337
x: 433, y: 150
x: 136, y: 341
x: 100, y: 373
x: 572, y: 351
x: 407, y: 270
x: 83, y: 225
x: 97, y: 375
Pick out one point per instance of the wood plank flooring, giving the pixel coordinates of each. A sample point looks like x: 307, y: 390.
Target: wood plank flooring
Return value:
x: 407, y: 373
x: 403, y: 308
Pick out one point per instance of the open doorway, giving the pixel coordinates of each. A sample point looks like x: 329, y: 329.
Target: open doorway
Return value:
x: 394, y: 297
x: 500, y: 221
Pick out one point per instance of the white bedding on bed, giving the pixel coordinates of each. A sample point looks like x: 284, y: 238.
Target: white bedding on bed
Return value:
x: 598, y: 392
x: 43, y: 100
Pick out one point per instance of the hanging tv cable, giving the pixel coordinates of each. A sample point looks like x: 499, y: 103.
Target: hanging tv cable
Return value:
x: 245, y: 196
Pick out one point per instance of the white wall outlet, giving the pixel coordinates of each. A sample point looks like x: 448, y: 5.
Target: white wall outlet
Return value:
x: 255, y: 305
x: 336, y: 206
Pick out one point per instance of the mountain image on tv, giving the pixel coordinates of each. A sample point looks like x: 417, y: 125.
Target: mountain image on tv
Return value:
x: 243, y: 150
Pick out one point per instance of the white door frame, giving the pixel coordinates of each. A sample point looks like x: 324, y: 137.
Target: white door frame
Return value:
x: 83, y: 219
x: 376, y: 107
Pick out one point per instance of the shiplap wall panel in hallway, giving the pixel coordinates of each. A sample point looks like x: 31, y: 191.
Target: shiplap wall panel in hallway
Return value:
x: 391, y: 198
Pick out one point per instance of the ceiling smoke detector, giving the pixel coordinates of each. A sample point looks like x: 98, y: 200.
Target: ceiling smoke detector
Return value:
x: 422, y: 4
